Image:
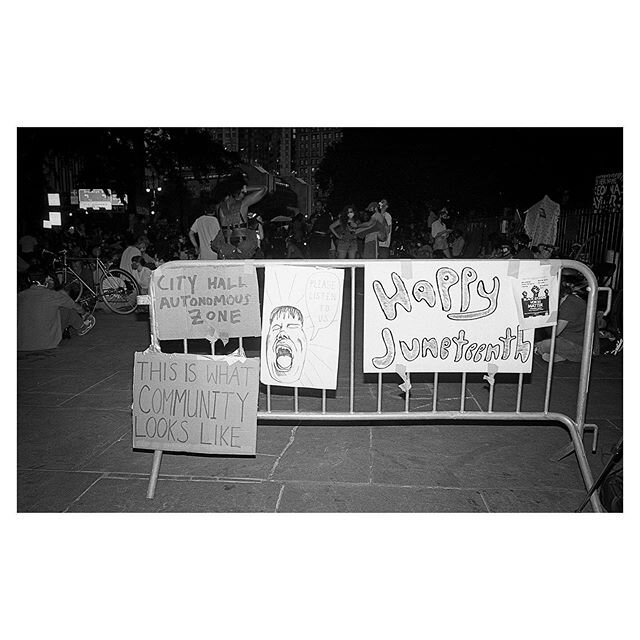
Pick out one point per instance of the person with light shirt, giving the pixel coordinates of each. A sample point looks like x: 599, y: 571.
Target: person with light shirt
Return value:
x: 384, y: 246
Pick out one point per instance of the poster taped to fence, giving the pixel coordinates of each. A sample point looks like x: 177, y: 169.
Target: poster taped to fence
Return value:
x: 204, y: 299
x: 301, y: 326
x: 433, y: 316
x: 536, y: 287
x: 195, y: 403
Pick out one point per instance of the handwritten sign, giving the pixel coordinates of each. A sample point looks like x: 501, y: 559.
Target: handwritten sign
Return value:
x: 607, y: 193
x: 204, y: 299
x: 194, y: 403
x: 301, y: 326
x: 434, y: 316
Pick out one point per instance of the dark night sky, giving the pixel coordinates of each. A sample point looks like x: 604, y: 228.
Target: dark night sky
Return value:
x: 514, y: 165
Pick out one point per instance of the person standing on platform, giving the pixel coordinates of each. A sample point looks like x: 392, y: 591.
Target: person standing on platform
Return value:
x: 235, y: 241
x: 204, y: 230
x: 384, y: 246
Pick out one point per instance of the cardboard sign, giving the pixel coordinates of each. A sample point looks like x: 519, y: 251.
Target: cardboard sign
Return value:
x: 200, y: 404
x: 438, y: 316
x: 301, y: 326
x: 205, y: 299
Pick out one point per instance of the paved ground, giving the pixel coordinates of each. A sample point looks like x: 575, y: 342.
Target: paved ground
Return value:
x: 75, y: 454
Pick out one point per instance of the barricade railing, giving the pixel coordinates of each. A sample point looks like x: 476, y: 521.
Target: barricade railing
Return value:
x: 321, y: 406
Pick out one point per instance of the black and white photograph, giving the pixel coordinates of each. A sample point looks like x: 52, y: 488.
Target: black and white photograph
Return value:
x: 297, y: 313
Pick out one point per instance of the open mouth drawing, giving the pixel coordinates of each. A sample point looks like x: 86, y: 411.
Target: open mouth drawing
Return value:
x: 284, y: 358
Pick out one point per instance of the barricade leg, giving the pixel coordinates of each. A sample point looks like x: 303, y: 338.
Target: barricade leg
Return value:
x: 155, y: 471
x: 583, y: 463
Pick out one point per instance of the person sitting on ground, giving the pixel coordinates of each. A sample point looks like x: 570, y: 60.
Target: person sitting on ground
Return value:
x: 570, y: 329
x: 141, y: 274
x: 456, y: 243
x: 43, y: 315
x: 138, y: 248
x: 505, y: 250
x: 521, y: 242
x: 545, y: 251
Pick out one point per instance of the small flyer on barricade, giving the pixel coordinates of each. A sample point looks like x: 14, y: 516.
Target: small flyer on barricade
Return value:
x: 536, y: 291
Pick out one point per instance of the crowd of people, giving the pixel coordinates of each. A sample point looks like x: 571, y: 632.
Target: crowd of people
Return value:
x: 228, y: 229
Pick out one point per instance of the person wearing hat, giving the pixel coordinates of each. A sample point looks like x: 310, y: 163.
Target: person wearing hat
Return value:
x: 439, y: 233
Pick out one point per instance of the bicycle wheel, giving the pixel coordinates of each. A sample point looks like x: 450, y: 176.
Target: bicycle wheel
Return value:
x: 66, y: 279
x: 119, y: 291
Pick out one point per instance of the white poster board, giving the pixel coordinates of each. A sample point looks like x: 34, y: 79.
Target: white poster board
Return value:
x: 301, y: 319
x: 440, y: 316
x: 204, y: 299
x: 195, y: 403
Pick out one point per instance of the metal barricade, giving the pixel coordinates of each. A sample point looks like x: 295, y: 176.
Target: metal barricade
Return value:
x: 345, y: 409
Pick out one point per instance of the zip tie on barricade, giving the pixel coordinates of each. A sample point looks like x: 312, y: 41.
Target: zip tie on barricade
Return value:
x: 401, y: 370
x: 492, y: 369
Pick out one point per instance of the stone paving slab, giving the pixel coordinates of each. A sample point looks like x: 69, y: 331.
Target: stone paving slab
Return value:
x: 41, y: 399
x: 122, y: 458
x: 330, y: 454
x: 66, y: 438
x: 51, y: 491
x: 533, y: 501
x: 339, y: 498
x: 128, y: 495
x: 111, y: 400
x: 482, y: 456
x: 74, y: 436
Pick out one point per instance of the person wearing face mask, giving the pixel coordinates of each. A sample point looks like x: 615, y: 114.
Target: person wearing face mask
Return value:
x: 343, y: 229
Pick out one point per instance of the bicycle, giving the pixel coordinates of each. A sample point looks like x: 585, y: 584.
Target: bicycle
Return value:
x: 115, y: 287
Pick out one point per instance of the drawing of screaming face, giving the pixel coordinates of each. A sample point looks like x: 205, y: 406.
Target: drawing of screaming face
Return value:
x: 286, y: 344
